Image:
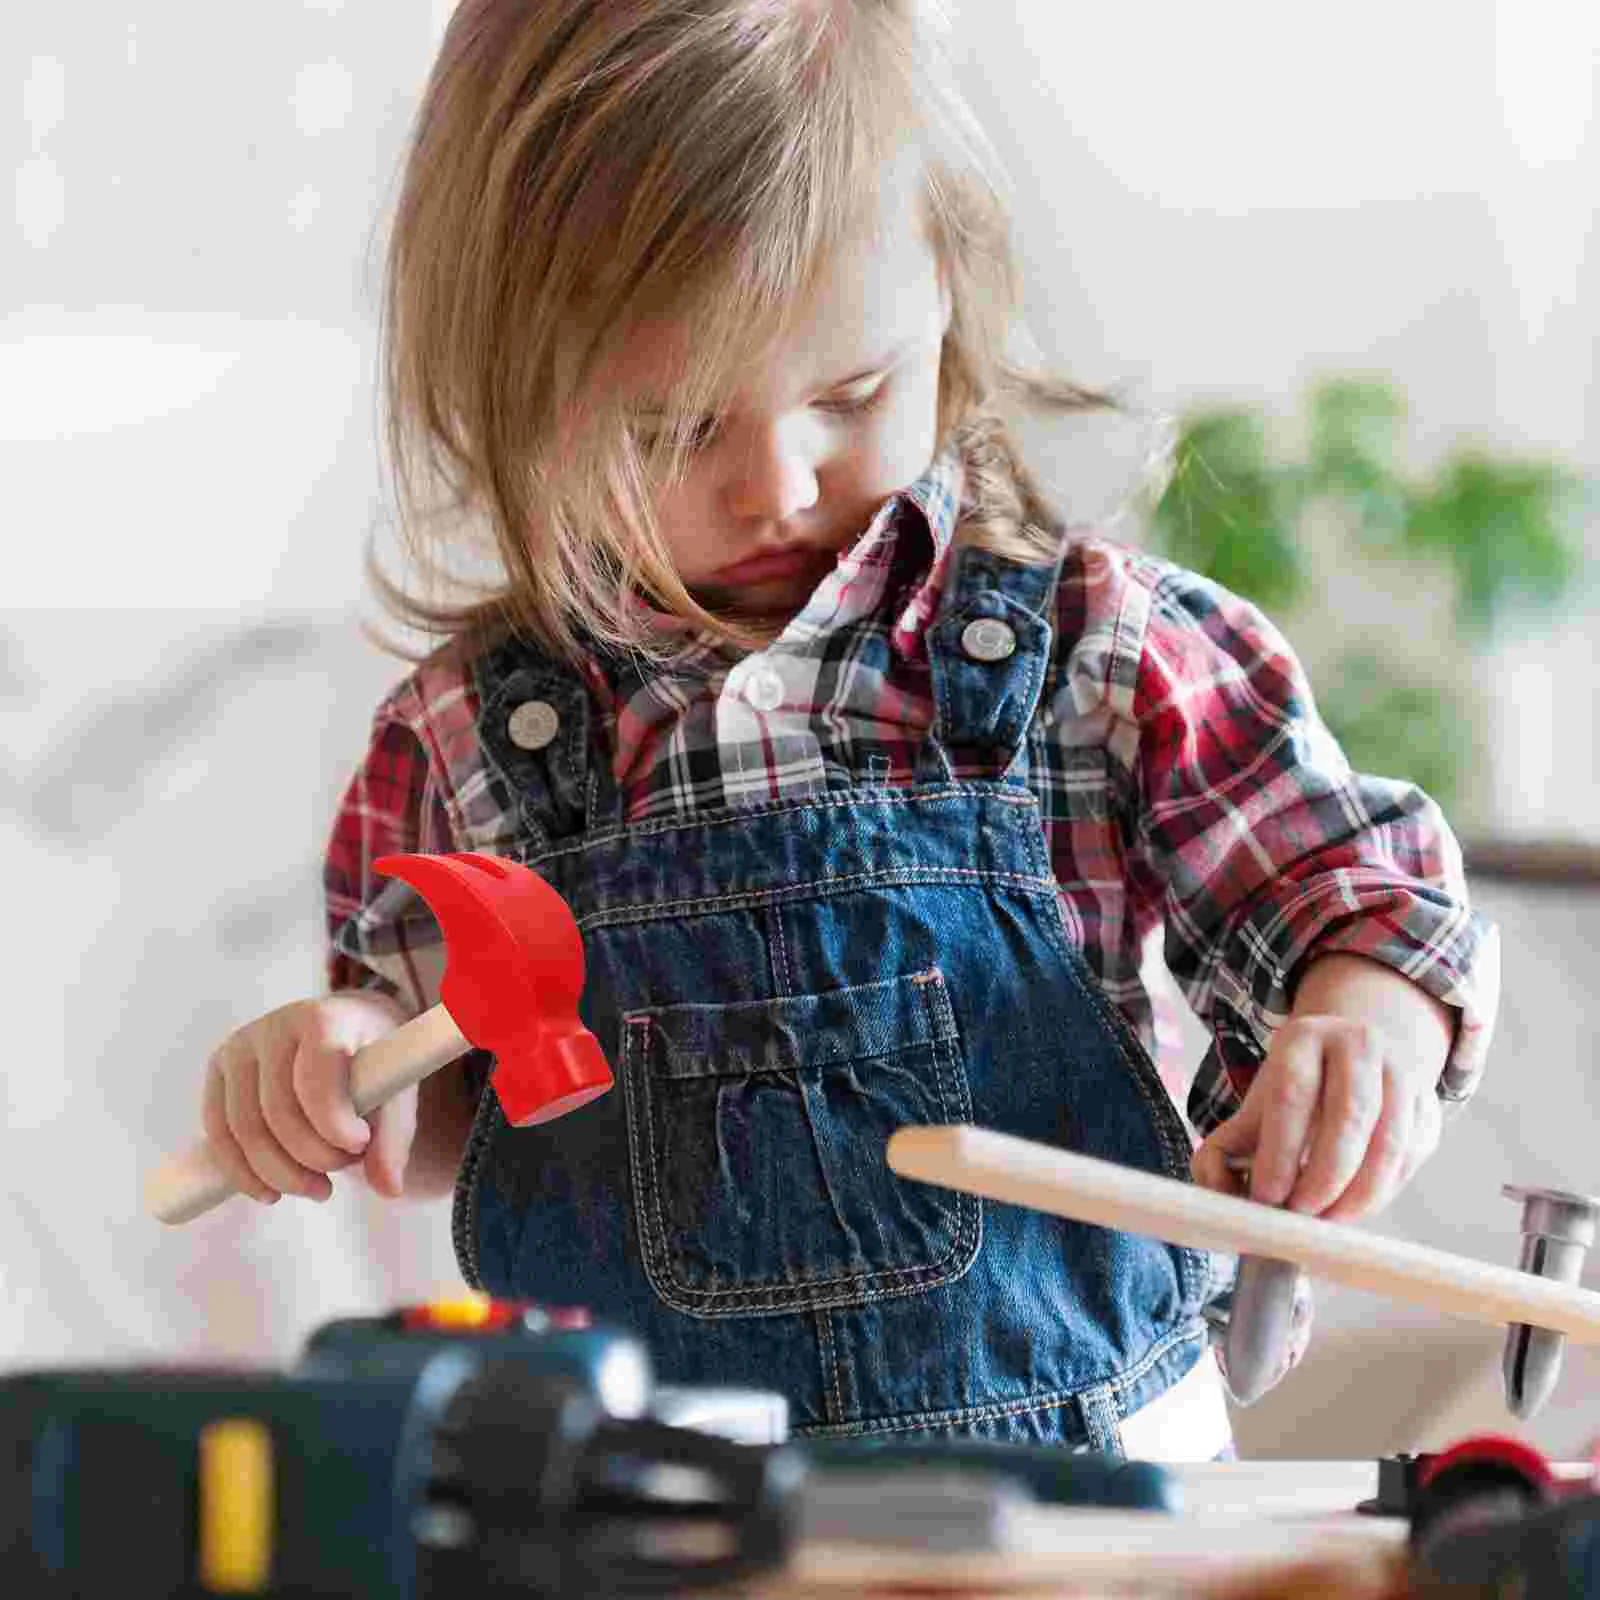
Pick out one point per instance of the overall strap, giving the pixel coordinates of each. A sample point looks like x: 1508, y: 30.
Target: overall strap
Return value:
x: 539, y: 731
x: 988, y: 654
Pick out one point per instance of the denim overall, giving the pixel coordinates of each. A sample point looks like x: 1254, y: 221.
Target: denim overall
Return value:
x: 778, y: 988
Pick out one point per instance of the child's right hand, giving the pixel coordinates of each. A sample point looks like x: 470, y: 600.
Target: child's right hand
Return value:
x: 276, y: 1106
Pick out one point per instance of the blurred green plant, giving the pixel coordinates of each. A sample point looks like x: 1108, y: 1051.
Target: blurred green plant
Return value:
x: 1509, y: 532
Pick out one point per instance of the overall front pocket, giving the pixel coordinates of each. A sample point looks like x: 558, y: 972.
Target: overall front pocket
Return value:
x: 757, y: 1136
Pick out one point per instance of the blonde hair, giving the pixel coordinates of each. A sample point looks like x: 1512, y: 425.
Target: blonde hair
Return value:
x: 580, y: 167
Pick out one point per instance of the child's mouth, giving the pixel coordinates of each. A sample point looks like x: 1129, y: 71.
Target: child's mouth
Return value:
x: 778, y: 566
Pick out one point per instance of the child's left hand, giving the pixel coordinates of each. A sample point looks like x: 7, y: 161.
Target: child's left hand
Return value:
x: 1343, y: 1109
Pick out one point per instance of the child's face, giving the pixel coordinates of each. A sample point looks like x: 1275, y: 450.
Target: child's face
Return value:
x: 842, y: 415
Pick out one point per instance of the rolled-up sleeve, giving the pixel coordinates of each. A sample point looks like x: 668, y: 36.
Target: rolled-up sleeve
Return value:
x: 380, y: 933
x: 1265, y: 848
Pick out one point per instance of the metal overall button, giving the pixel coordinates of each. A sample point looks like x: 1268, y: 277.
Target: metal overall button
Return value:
x: 988, y: 639
x: 533, y: 725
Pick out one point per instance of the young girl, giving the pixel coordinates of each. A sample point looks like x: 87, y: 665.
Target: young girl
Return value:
x: 864, y: 778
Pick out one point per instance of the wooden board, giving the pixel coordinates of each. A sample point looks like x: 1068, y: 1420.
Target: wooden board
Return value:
x: 1247, y: 1525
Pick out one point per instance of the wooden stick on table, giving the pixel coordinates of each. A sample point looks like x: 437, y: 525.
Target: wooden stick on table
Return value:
x: 1022, y: 1172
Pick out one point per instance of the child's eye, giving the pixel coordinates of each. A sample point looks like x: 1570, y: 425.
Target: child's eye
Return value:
x: 705, y: 432
x: 695, y: 439
x: 701, y: 435
x: 853, y: 404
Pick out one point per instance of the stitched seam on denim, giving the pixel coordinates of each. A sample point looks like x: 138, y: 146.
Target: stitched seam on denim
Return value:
x: 941, y: 1026
x: 814, y: 1293
x: 658, y: 1263
x: 969, y: 1214
x: 781, y: 976
x: 933, y: 762
x: 956, y: 1096
x: 1032, y: 684
x: 813, y: 888
x: 932, y: 756
x: 1115, y: 1024
x: 725, y: 818
x: 1037, y: 847
x: 938, y: 734
x: 1102, y: 1421
x: 652, y: 1238
x: 591, y: 800
x: 1029, y: 755
x: 1049, y: 1400
x: 1193, y: 1274
x: 782, y: 1294
x: 942, y: 1021
x: 835, y: 1296
x: 1122, y: 1385
x: 822, y: 1320
x: 652, y: 1226
x: 825, y: 1064
x: 469, y: 1182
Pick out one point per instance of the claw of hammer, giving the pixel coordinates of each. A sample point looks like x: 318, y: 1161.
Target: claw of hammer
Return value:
x: 513, y: 979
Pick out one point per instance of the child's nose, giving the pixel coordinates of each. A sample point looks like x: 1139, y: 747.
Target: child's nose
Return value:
x: 774, y: 476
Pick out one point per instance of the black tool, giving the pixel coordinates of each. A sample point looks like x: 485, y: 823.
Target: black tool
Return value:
x: 1490, y: 1519
x: 452, y: 1450
x: 1397, y: 1485
x: 1549, y: 1553
x: 471, y: 1474
x: 149, y: 1482
x: 1487, y: 1478
x: 613, y: 1364
x: 535, y: 1491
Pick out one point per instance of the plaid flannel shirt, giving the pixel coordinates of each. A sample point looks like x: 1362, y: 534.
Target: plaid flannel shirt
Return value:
x: 1191, y: 796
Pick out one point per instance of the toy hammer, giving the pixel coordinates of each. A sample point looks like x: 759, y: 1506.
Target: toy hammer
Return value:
x: 513, y: 979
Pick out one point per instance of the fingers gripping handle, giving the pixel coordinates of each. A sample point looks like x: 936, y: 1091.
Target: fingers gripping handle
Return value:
x: 187, y: 1186
x: 512, y: 984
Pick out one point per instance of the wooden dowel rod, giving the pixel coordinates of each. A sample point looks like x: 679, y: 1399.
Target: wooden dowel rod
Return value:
x: 1025, y: 1173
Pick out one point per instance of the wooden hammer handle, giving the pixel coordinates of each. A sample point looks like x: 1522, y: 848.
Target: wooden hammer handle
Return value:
x: 187, y: 1186
x: 1025, y: 1173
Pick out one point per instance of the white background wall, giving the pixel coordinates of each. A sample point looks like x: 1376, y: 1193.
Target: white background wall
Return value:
x: 1214, y: 202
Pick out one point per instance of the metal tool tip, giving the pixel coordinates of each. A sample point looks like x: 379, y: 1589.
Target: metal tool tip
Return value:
x: 1531, y: 1368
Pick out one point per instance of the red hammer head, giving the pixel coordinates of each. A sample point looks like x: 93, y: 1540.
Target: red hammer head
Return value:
x: 513, y: 978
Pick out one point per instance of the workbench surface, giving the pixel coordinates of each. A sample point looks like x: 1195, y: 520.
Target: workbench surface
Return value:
x: 1240, y: 1521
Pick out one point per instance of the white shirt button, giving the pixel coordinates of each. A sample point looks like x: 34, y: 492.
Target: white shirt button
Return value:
x: 763, y: 689
x: 988, y: 640
x: 533, y: 725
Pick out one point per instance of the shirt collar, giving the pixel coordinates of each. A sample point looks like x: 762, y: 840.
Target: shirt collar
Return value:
x: 903, y: 557
x: 937, y: 495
